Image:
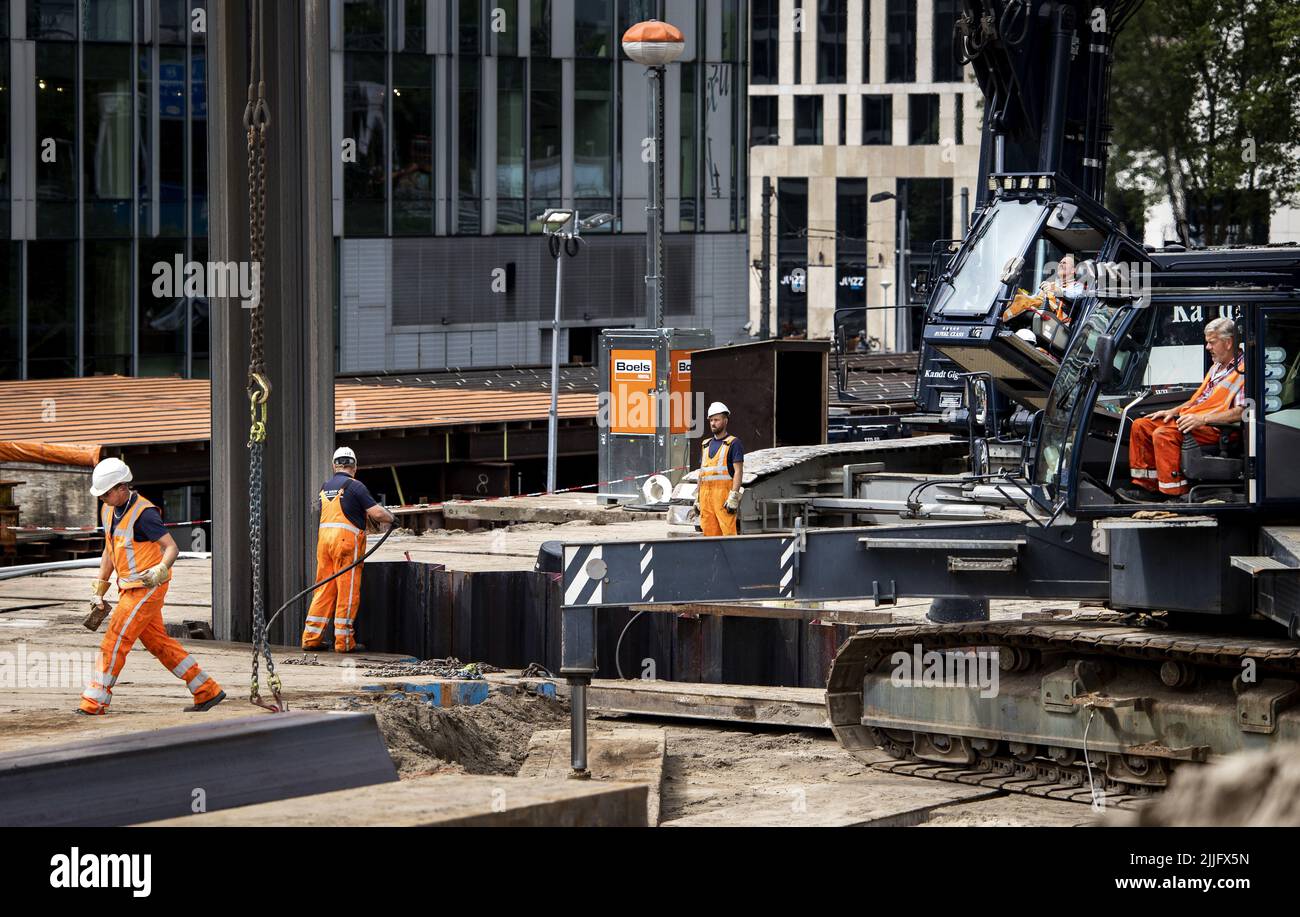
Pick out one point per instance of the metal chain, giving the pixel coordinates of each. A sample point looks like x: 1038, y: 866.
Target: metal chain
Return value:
x: 257, y: 119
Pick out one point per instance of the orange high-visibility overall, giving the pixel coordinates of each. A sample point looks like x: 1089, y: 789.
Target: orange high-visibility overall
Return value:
x: 1155, y: 446
x: 339, y: 544
x: 138, y: 616
x: 714, y: 486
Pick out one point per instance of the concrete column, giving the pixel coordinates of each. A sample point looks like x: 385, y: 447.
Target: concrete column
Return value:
x: 855, y: 49
x: 298, y: 296
x: 877, y: 41
x: 785, y: 45
x: 925, y: 41
x: 821, y: 254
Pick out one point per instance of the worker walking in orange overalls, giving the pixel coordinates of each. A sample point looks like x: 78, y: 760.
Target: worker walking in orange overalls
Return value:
x: 141, y: 552
x: 1156, y: 443
x: 345, y: 507
x: 722, y: 466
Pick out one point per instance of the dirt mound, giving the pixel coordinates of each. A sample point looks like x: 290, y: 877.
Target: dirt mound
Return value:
x: 1244, y: 790
x: 487, y: 738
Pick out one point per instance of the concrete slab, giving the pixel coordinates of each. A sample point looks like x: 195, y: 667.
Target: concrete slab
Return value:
x: 622, y: 754
x: 446, y: 800
x: 861, y: 801
x: 552, y: 508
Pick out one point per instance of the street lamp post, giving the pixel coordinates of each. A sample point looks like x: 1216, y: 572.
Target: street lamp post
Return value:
x: 655, y: 44
x: 562, y: 229
x: 902, y: 316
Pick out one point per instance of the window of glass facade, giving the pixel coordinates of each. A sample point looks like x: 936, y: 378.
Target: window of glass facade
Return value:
x: 469, y: 26
x: 52, y: 20
x: 414, y: 26
x: 365, y: 25
x: 51, y: 309
x: 173, y: 21
x: 843, y: 120
x: 108, y: 338
x: 511, y: 145
x: 900, y: 41
x: 958, y: 119
x: 764, y: 48
x: 544, y: 155
x: 798, y: 40
x: 200, y: 366
x: 55, y: 140
x: 5, y: 143
x: 923, y: 119
x: 469, y: 209
x: 539, y: 24
x: 593, y: 136
x: 688, y: 211
x: 808, y: 120
x: 850, y: 242
x: 866, y: 41
x: 365, y: 124
x: 630, y: 12
x: 108, y: 139
x: 106, y: 20
x: 832, y: 41
x: 763, y: 120
x: 413, y: 94
x: 877, y: 120
x: 198, y: 151
x: 593, y: 28
x: 161, y: 319
x: 946, y: 68
x: 792, y: 256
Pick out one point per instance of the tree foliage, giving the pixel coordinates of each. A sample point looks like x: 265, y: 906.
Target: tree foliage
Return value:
x: 1205, y: 101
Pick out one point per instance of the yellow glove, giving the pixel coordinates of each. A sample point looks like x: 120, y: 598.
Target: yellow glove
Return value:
x: 156, y: 575
x: 99, y: 587
x: 733, y: 502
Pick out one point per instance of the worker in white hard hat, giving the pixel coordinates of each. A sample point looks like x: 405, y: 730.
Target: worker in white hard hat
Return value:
x: 139, y: 549
x: 722, y: 466
x: 346, y: 508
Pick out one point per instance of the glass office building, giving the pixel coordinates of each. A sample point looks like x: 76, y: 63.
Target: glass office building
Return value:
x: 457, y: 122
x: 103, y: 152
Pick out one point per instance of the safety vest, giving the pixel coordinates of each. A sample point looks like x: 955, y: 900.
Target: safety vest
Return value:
x: 331, y: 512
x: 131, y: 558
x: 1222, y: 396
x: 715, y: 468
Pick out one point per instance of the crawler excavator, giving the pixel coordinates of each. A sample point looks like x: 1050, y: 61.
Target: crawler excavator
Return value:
x: 1192, y: 646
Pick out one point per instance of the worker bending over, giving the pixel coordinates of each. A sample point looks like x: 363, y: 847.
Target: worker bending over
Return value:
x: 1155, y: 447
x: 141, y: 552
x: 345, y: 507
x: 722, y: 465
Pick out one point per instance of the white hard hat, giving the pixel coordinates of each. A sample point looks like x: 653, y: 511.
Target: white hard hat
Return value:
x: 107, y: 475
x: 1026, y: 335
x: 343, y: 455
x: 717, y: 408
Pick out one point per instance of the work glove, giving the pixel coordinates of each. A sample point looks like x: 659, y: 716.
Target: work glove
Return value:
x: 156, y: 575
x: 733, y: 502
x: 695, y: 509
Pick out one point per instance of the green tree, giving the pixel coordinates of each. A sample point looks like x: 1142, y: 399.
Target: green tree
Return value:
x: 1205, y: 101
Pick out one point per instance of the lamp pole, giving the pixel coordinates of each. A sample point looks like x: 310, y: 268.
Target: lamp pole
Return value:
x: 655, y: 44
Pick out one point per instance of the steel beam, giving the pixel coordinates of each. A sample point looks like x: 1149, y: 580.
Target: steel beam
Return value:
x: 299, y: 298
x: 167, y: 773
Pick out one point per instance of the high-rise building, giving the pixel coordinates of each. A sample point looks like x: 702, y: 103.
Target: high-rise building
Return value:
x: 852, y: 100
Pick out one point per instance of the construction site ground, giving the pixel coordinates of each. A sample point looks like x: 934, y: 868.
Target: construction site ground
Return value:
x: 709, y: 771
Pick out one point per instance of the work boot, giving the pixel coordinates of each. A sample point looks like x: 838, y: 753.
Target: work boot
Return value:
x: 318, y: 648
x: 206, y: 705
x: 1137, y: 494
x: 88, y: 713
x: 358, y: 648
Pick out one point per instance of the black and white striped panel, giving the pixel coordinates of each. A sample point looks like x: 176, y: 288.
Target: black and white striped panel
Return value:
x: 580, y: 587
x: 787, y: 567
x: 647, y: 572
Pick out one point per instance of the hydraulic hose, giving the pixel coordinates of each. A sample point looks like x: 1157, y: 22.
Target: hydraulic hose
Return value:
x: 314, y: 586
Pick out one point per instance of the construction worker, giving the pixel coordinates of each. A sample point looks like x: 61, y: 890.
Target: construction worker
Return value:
x: 141, y: 552
x: 1155, y: 446
x: 345, y: 508
x: 722, y: 466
